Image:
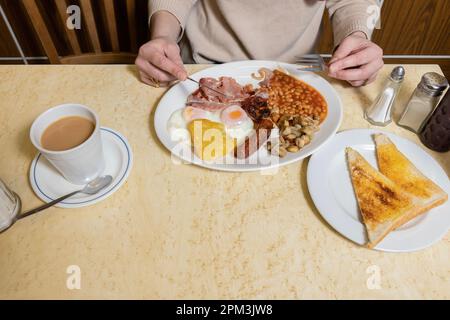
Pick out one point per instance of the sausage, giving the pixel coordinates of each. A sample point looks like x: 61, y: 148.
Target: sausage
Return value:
x: 255, y: 140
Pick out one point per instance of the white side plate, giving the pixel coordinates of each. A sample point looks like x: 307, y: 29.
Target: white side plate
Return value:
x: 331, y: 189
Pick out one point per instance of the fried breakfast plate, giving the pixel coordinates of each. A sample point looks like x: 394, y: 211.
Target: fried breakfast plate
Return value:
x: 330, y: 187
x: 242, y: 72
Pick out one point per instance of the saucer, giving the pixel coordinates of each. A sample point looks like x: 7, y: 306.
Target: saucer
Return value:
x: 48, y: 184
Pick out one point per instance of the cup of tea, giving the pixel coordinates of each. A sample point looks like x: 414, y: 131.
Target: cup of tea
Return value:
x: 69, y: 137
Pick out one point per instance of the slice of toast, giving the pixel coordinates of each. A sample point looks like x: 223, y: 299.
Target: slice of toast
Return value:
x: 383, y: 204
x: 394, y: 165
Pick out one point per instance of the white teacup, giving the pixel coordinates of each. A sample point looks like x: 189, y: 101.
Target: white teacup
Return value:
x: 78, y: 165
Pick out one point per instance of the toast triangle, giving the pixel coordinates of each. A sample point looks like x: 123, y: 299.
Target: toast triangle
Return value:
x: 383, y: 204
x: 398, y: 168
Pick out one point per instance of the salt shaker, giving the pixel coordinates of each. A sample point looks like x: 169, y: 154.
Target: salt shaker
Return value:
x: 380, y: 112
x: 423, y: 101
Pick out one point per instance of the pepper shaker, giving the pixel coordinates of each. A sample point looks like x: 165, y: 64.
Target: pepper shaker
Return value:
x: 380, y: 112
x: 423, y: 101
x: 435, y: 132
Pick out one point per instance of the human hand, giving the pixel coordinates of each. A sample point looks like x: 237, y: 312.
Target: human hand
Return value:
x: 159, y: 62
x: 356, y: 60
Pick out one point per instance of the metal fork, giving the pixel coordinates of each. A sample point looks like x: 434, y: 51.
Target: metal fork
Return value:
x: 311, y: 62
x: 212, y: 89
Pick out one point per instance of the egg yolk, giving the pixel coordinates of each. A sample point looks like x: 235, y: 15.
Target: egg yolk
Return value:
x: 235, y: 115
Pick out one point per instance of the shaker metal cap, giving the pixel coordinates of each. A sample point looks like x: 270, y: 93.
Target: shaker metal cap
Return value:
x: 433, y: 82
x: 398, y: 73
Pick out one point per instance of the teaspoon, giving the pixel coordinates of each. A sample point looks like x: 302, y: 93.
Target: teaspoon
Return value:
x: 91, y: 188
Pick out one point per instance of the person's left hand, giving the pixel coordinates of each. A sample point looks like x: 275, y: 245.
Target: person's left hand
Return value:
x: 356, y: 60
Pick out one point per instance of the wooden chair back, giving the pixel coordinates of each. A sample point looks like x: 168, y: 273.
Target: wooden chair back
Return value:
x: 72, y: 38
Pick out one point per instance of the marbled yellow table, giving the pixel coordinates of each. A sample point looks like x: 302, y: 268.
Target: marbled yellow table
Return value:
x: 180, y: 231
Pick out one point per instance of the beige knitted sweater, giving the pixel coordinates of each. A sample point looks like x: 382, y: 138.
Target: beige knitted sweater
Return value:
x: 227, y: 30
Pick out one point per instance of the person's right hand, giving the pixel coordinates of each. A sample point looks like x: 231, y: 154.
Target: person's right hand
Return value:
x: 160, y: 63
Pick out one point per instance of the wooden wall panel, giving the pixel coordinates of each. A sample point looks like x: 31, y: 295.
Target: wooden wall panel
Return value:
x: 28, y: 38
x: 325, y: 44
x: 22, y: 28
x: 7, y: 47
x: 413, y: 27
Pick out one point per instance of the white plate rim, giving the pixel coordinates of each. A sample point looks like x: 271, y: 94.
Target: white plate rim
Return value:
x: 325, y: 208
x: 307, y: 151
x: 109, y: 191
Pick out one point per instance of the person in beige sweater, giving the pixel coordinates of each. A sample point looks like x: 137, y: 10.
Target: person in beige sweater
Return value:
x: 217, y: 31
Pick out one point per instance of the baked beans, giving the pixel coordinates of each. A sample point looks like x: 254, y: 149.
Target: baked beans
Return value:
x: 291, y: 96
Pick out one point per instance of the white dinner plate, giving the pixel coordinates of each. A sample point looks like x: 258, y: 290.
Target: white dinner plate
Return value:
x: 330, y: 186
x: 49, y: 184
x: 176, y: 97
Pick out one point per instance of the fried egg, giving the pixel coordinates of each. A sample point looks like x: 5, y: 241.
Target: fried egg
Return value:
x: 237, y: 123
x: 233, y: 116
x: 191, y: 114
x: 177, y: 127
x: 179, y: 120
